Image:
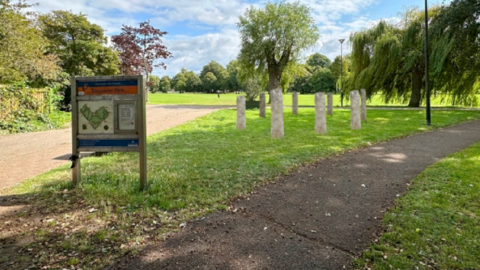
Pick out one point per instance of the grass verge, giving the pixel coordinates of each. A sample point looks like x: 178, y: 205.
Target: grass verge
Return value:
x: 193, y: 169
x: 437, y: 223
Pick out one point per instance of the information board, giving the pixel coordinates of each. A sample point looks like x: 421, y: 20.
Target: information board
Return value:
x: 108, y: 115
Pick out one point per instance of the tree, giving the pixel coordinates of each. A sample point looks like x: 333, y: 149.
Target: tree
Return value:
x: 321, y: 81
x: 23, y: 53
x: 79, y: 44
x: 232, y: 82
x: 253, y: 89
x: 193, y: 82
x: 154, y: 83
x: 209, y: 82
x: 335, y: 68
x: 391, y: 59
x: 179, y: 82
x: 165, y: 84
x: 273, y: 37
x: 318, y: 60
x: 139, y: 48
x: 220, y: 74
x: 455, y: 57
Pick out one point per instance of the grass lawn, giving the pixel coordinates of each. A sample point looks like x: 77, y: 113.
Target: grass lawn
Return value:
x: 436, y: 225
x: 193, y: 169
x: 307, y: 100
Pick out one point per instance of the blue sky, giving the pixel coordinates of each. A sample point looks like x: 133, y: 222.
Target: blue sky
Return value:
x: 201, y: 31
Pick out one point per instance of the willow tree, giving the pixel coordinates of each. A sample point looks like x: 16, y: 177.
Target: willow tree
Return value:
x: 273, y: 37
x: 455, y: 57
x: 390, y: 59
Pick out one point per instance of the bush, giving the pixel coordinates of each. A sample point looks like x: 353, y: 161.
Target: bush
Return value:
x: 252, y: 89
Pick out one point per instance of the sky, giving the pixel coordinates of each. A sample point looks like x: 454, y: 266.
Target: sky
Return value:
x: 201, y: 31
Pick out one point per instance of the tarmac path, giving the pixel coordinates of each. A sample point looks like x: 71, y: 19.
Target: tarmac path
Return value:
x: 318, y: 217
x: 25, y: 155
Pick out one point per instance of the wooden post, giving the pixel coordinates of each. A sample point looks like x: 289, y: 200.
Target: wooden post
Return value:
x: 277, y: 131
x: 262, y: 105
x: 142, y: 128
x: 76, y: 170
x: 330, y: 104
x: 295, y: 103
x: 356, y: 123
x: 241, y: 121
x: 364, y: 105
x: 320, y: 115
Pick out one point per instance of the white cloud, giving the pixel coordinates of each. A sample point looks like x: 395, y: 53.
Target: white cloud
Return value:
x: 193, y: 53
x: 215, y: 19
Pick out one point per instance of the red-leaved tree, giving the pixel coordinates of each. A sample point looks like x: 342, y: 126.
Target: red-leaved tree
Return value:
x: 139, y: 48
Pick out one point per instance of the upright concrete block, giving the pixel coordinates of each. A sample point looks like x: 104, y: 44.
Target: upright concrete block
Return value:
x: 320, y: 114
x: 241, y: 120
x: 364, y: 104
x: 295, y: 103
x: 277, y: 131
x: 330, y: 104
x: 355, y: 110
x: 262, y: 105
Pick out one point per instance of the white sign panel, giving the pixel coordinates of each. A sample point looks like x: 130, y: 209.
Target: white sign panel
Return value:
x: 95, y: 117
x: 126, y: 116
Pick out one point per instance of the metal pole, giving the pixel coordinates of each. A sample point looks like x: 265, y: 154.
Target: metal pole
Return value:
x: 341, y: 70
x: 427, y: 68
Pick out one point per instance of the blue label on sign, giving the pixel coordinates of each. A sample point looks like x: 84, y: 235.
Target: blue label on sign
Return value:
x: 108, y: 143
x: 108, y: 83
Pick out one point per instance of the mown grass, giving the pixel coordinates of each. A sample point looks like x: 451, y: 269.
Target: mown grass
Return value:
x: 193, y: 169
x: 307, y: 100
x: 205, y: 162
x: 436, y: 225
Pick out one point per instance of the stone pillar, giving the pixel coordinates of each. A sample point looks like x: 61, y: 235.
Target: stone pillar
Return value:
x: 355, y: 110
x: 295, y: 103
x: 330, y: 104
x: 320, y: 115
x: 277, y: 114
x: 262, y: 105
x: 364, y: 105
x: 241, y: 120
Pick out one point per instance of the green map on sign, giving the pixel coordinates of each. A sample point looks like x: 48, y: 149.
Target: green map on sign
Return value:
x: 94, y: 118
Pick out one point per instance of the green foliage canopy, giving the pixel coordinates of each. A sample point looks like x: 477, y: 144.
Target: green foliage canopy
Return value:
x: 79, y: 44
x: 455, y: 57
x: 165, y: 84
x: 23, y: 53
x: 273, y: 37
x: 219, y: 79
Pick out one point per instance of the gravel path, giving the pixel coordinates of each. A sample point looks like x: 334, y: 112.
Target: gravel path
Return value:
x: 318, y: 217
x: 26, y: 155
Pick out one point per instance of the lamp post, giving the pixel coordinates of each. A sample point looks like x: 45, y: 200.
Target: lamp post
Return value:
x: 427, y: 68
x: 341, y: 70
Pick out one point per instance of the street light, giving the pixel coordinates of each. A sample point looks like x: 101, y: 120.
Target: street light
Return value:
x: 341, y: 71
x: 427, y: 68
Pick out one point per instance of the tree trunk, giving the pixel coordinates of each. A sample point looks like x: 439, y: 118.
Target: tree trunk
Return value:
x: 417, y: 86
x: 274, y: 76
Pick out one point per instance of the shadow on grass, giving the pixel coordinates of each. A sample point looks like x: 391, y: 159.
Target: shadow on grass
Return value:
x: 318, y: 217
x: 192, y: 170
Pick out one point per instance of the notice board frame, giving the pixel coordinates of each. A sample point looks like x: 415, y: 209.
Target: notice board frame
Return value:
x: 119, y: 90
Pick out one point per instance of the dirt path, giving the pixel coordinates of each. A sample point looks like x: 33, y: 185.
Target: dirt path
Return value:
x: 316, y: 218
x: 26, y: 155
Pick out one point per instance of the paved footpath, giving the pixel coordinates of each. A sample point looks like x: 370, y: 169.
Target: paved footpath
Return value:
x: 26, y: 155
x: 319, y: 217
